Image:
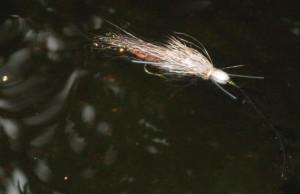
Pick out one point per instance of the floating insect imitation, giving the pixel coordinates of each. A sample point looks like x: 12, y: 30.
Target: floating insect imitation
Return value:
x: 178, y: 57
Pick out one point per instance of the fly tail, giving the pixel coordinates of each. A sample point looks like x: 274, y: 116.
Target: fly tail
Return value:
x: 246, y: 76
x: 225, y: 91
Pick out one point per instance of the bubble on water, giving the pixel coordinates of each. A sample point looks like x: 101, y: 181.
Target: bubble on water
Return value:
x: 30, y: 35
x: 4, y: 78
x: 104, y: 128
x: 54, y: 44
x: 66, y: 178
x: 43, y: 171
x: 152, y: 150
x: 76, y: 142
x: 97, y: 22
x: 143, y: 122
x: 50, y: 9
x: 10, y: 127
x: 88, y: 114
x: 161, y: 141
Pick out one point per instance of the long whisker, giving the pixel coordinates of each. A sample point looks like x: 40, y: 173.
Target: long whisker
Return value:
x: 118, y: 27
x: 246, y: 76
x: 225, y: 91
x: 146, y: 62
x: 232, y: 67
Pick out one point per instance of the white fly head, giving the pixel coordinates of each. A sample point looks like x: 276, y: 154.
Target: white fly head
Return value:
x: 219, y: 76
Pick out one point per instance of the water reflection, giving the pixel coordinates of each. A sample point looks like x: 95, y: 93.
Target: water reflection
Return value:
x: 74, y: 120
x: 18, y: 183
x: 34, y: 97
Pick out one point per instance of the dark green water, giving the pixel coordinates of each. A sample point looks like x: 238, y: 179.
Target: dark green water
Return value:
x: 75, y: 120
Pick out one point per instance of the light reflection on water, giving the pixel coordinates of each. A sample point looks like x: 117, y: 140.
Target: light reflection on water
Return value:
x: 74, y: 120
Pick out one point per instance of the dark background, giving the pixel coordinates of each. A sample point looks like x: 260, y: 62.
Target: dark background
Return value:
x: 75, y: 119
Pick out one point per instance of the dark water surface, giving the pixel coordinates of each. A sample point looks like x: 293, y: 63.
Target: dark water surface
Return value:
x: 76, y: 120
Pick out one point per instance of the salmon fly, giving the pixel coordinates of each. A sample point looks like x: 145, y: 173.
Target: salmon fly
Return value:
x: 180, y: 57
x: 175, y: 57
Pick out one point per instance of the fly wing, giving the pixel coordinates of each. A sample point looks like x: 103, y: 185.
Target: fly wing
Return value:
x: 191, y: 41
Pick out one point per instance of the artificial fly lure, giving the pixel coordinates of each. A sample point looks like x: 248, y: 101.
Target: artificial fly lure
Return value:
x: 180, y: 57
x: 174, y: 58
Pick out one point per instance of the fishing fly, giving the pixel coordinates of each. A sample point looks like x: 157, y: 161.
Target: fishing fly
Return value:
x: 174, y: 58
x: 180, y: 56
